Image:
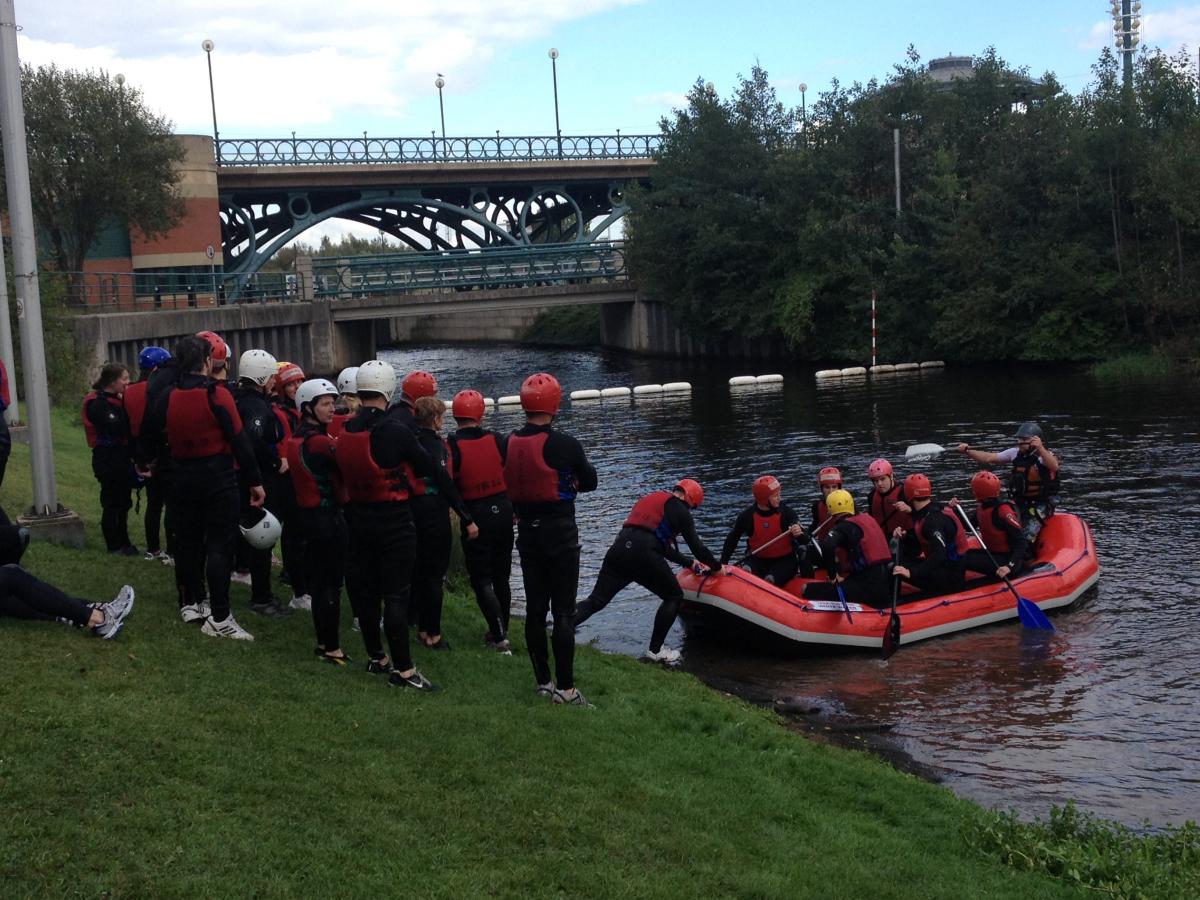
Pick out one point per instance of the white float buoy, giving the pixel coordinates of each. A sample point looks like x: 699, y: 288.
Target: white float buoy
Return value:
x: 672, y: 387
x: 883, y: 369
x: 741, y: 380
x: 829, y: 373
x: 449, y: 404
x: 615, y: 392
x: 488, y: 401
x: 854, y: 370
x: 907, y: 367
x: 769, y: 379
x: 589, y: 394
x: 933, y: 364
x: 510, y: 400
x: 648, y: 389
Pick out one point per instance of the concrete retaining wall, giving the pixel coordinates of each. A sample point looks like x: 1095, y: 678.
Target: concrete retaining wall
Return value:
x: 500, y: 326
x: 645, y: 326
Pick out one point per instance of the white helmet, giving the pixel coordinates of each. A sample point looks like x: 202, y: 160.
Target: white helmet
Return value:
x: 312, y: 389
x: 378, y: 376
x: 263, y: 534
x: 257, y: 366
x: 346, y: 381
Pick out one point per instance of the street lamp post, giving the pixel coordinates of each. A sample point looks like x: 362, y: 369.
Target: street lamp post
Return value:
x: 207, y: 46
x: 439, y: 83
x: 553, y: 54
x: 1127, y: 22
x: 803, y: 112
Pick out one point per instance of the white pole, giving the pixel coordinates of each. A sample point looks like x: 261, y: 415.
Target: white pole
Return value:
x: 25, y: 282
x: 896, y: 142
x: 872, y: 328
x: 12, y: 414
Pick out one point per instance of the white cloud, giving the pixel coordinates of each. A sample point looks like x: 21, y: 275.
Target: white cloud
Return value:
x: 296, y: 64
x: 663, y: 100
x: 1168, y: 29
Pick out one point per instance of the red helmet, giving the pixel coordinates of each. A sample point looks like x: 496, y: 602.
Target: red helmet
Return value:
x: 985, y: 486
x: 287, y: 373
x: 881, y: 468
x: 763, y: 488
x: 418, y: 384
x: 220, y: 349
x: 467, y: 405
x: 917, y: 487
x: 829, y: 475
x: 541, y: 393
x: 693, y: 494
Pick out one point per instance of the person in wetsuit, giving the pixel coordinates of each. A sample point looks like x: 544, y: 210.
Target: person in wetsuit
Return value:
x: 136, y: 397
x: 856, y: 556
x: 380, y: 458
x: 931, y: 553
x: 477, y: 462
x: 106, y: 427
x: 639, y: 555
x: 772, y: 557
x: 415, y: 385
x: 544, y: 471
x: 1000, y: 528
x: 886, y: 502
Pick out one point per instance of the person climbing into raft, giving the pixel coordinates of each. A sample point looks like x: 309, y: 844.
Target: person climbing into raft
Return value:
x: 1034, y: 480
x: 765, y: 521
x: 931, y: 553
x: 855, y: 555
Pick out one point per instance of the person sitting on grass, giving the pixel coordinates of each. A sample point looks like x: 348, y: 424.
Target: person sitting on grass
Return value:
x: 23, y: 596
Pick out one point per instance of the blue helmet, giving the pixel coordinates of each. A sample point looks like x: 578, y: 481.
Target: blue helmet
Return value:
x: 152, y: 357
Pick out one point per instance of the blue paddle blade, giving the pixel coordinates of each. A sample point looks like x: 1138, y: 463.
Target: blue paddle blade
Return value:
x: 1031, y: 616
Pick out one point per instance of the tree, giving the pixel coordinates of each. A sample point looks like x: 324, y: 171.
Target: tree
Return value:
x: 96, y: 155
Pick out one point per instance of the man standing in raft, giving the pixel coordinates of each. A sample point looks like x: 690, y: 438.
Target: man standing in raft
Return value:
x: 772, y: 556
x: 544, y: 471
x: 936, y: 533
x: 1034, y: 480
x: 640, y: 553
x: 856, y: 556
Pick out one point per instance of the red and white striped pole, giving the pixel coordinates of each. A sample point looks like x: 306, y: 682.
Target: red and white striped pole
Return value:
x: 872, y: 328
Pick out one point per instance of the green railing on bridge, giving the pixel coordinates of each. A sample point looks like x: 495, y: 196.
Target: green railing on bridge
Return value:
x: 459, y: 270
x: 365, y: 150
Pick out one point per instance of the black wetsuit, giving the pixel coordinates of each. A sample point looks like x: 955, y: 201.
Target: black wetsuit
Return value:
x: 639, y: 555
x: 869, y: 584
x: 548, y: 541
x: 778, y: 569
x: 265, y: 433
x: 112, y: 466
x: 941, y: 569
x: 22, y: 596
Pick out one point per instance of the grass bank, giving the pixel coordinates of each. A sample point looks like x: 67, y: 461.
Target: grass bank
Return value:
x: 169, y: 764
x: 1134, y: 367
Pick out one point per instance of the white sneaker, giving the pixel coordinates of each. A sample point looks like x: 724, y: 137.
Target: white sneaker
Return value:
x: 354, y: 626
x: 304, y: 601
x: 226, y: 628
x: 167, y: 559
x: 193, y: 612
x: 114, y: 612
x: 240, y: 577
x: 664, y: 655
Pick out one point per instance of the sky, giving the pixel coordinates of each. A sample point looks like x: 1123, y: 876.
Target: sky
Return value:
x: 337, y: 68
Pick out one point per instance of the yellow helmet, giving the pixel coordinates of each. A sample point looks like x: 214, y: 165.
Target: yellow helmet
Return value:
x: 840, y: 503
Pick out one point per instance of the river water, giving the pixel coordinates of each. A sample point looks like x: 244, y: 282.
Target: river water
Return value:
x: 1106, y: 711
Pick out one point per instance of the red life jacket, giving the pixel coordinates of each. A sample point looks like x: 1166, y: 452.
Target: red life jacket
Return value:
x: 312, y: 492
x: 365, y: 480
x: 764, y: 528
x: 959, y: 545
x: 337, y: 424
x: 650, y: 514
x: 872, y: 548
x: 193, y: 431
x: 529, y: 478
x: 989, y: 518
x: 883, y: 509
x: 1031, y: 480
x: 427, y: 484
x: 824, y: 523
x: 135, y: 405
x: 480, y: 471
x: 94, y: 439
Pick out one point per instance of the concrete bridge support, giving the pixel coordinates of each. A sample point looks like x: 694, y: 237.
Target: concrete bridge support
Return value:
x: 647, y: 326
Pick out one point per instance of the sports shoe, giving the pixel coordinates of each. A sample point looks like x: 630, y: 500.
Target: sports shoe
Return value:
x: 240, y: 577
x: 416, y: 681
x: 167, y: 559
x: 665, y: 655
x: 342, y: 660
x: 504, y: 648
x: 114, y: 612
x: 576, y: 699
x: 303, y: 601
x: 379, y: 666
x: 193, y: 612
x: 226, y: 628
x: 354, y: 626
x: 271, y: 608
x: 545, y: 690
x: 440, y: 644
x: 152, y: 555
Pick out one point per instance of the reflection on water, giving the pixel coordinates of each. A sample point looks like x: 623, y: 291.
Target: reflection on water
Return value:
x: 1103, y: 711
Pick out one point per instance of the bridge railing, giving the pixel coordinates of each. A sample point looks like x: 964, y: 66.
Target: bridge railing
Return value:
x: 342, y: 277
x: 462, y: 270
x: 491, y: 148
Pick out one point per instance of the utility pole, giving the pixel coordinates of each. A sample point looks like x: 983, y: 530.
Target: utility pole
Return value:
x: 11, y: 413
x: 46, y: 519
x: 896, y: 144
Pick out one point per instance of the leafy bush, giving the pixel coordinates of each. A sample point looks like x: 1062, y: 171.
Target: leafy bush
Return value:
x: 1133, y: 366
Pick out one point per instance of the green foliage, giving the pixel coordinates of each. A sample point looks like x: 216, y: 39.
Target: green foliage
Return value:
x: 1094, y: 854
x: 346, y: 245
x: 567, y: 326
x: 1134, y: 367
x: 1034, y: 224
x: 96, y: 152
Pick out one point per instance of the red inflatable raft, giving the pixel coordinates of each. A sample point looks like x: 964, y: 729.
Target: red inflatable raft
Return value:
x: 1064, y: 567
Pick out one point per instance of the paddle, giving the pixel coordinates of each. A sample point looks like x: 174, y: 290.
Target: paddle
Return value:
x: 777, y: 537
x: 845, y: 605
x: 891, y: 637
x: 924, y: 450
x: 1027, y: 610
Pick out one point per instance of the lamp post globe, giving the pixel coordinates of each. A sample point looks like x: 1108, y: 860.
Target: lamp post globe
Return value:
x: 207, y: 46
x: 553, y: 54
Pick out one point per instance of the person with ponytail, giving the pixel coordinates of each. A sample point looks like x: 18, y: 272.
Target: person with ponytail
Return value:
x: 107, y: 429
